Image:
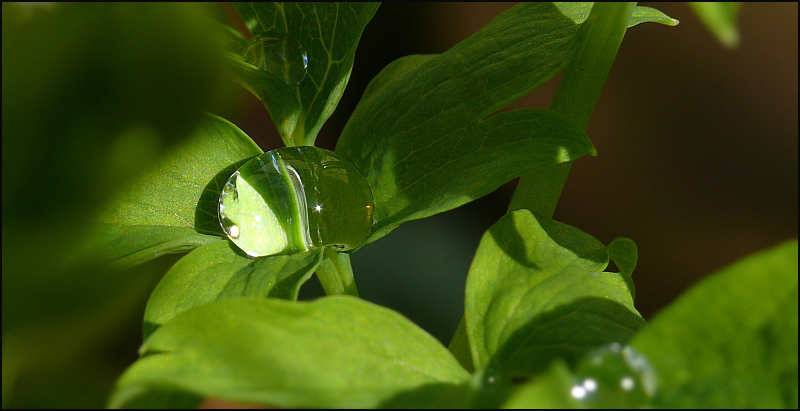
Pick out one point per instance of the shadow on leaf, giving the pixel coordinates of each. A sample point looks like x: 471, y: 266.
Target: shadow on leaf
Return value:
x: 565, y: 332
x: 206, y: 219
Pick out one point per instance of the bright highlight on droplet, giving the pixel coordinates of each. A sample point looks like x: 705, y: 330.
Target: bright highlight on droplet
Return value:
x: 278, y: 54
x: 614, y: 376
x: 578, y: 392
x: 273, y: 203
x: 627, y: 383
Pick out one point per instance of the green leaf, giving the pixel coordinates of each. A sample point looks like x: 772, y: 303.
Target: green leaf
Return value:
x: 329, y: 33
x: 579, y: 12
x: 730, y: 341
x: 625, y: 254
x: 721, y: 18
x: 334, y: 352
x: 643, y: 14
x: 537, y: 291
x: 421, y: 134
x: 550, y: 389
x: 173, y: 207
x: 216, y: 270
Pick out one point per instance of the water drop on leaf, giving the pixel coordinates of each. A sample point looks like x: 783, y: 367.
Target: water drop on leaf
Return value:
x: 294, y: 199
x: 614, y: 376
x: 278, y: 54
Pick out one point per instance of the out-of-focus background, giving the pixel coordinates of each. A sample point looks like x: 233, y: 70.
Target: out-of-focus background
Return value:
x: 697, y: 164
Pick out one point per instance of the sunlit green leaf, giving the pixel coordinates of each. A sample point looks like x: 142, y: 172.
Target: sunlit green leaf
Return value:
x: 338, y: 352
x: 421, y: 134
x: 216, y: 271
x: 537, y: 291
x: 173, y: 207
x: 731, y: 341
x: 579, y: 12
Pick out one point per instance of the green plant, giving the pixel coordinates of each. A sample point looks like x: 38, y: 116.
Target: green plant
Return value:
x: 543, y: 315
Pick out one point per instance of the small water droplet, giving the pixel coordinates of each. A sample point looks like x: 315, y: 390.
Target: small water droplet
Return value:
x: 614, y: 376
x: 273, y: 203
x: 278, y: 54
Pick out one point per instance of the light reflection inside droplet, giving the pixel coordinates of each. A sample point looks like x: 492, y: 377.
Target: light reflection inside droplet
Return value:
x: 318, y: 207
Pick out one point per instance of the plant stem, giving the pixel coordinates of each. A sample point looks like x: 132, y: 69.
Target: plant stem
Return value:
x: 597, y: 44
x: 336, y: 274
x: 577, y: 95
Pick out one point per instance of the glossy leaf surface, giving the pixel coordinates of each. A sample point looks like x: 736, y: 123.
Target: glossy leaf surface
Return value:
x: 287, y: 354
x: 216, y: 271
x: 537, y: 291
x: 421, y: 134
x: 173, y: 206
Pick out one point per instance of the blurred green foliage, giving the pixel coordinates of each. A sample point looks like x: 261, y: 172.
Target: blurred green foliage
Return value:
x: 92, y: 94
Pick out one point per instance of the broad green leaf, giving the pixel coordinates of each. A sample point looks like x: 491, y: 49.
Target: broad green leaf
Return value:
x: 329, y: 34
x: 335, y: 352
x: 421, y: 134
x: 579, y: 12
x: 537, y: 291
x: 216, y: 271
x: 172, y: 207
x: 730, y: 341
x: 721, y: 18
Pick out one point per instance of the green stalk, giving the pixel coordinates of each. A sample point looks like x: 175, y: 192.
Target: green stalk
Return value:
x: 597, y: 44
x: 577, y: 95
x: 336, y: 274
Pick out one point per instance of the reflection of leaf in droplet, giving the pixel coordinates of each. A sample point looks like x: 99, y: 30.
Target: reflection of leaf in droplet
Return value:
x: 278, y: 54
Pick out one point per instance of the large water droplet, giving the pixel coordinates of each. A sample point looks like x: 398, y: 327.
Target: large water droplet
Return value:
x: 278, y: 54
x: 294, y: 199
x: 614, y: 376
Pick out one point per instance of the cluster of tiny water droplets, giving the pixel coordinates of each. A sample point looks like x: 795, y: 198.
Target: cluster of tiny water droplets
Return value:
x: 278, y: 54
x: 614, y: 376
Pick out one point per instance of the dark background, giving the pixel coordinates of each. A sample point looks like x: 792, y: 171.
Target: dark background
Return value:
x: 697, y: 155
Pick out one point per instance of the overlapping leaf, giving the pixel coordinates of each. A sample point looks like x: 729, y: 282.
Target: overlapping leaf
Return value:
x: 421, y: 133
x: 537, y: 291
x: 579, y: 12
x: 216, y: 271
x: 334, y: 352
x: 172, y: 207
